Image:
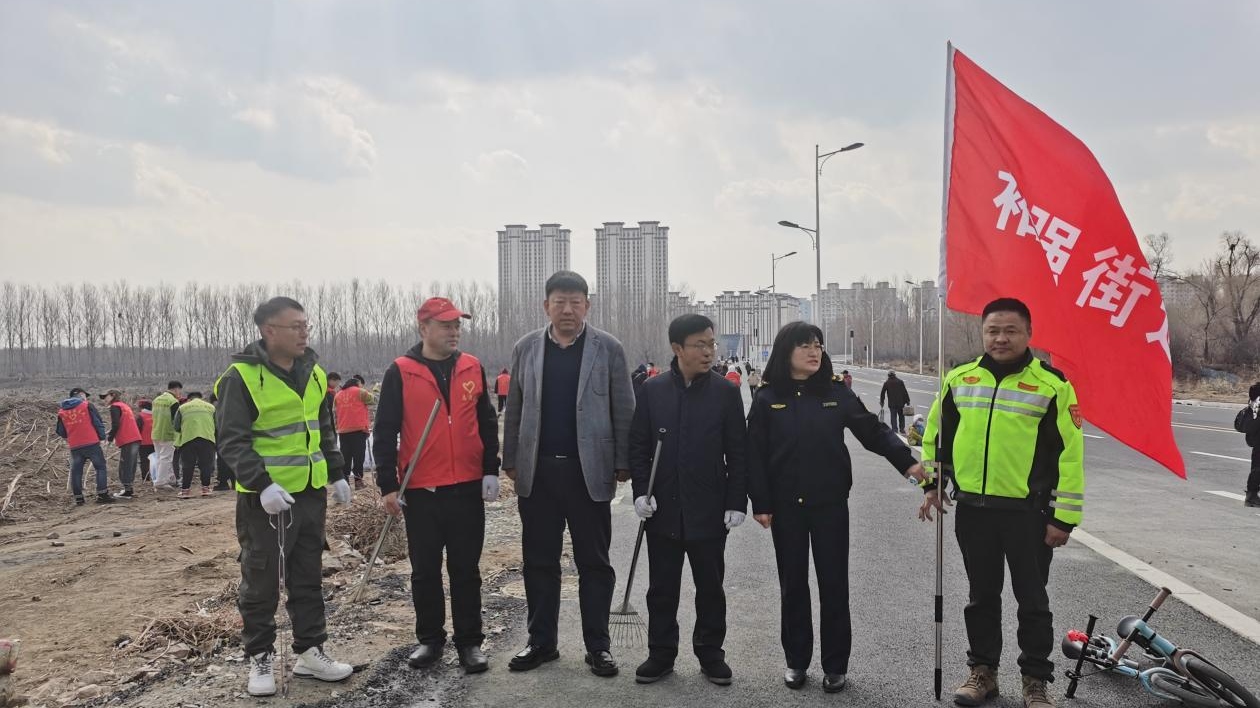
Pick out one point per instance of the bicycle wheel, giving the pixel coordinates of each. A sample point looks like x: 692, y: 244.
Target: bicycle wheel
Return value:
x: 1222, y: 684
x: 1185, y: 691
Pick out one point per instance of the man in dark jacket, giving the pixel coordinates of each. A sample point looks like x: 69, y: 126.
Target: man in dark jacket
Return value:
x: 287, y: 465
x: 1252, y: 499
x: 702, y: 491
x: 898, y: 398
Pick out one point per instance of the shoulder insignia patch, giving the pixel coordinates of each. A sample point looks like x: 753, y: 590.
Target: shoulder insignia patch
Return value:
x: 1075, y: 411
x: 830, y: 404
x: 1027, y: 386
x: 971, y: 379
x: 778, y: 406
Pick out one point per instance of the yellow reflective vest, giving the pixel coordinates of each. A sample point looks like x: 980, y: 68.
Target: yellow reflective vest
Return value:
x: 1014, y: 443
x: 286, y: 432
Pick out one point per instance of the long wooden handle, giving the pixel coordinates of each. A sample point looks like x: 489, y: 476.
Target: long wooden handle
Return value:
x: 638, y: 542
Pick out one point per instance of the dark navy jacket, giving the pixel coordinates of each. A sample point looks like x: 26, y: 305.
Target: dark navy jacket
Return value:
x: 796, y: 450
x: 701, y: 473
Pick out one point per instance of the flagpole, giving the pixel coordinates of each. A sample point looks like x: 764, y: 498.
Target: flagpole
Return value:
x: 942, y: 286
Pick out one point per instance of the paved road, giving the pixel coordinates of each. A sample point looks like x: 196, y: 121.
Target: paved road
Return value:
x: 1208, y: 541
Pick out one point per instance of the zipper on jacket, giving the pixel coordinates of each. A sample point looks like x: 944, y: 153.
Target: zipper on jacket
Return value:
x: 988, y: 428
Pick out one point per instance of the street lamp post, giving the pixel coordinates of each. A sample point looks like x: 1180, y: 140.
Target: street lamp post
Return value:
x: 921, y: 311
x: 820, y: 159
x: 774, y: 293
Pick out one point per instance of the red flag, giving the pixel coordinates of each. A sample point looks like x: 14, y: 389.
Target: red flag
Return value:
x: 1029, y: 213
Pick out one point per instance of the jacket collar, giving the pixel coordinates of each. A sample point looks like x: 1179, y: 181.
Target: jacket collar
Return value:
x: 1001, y: 371
x: 681, y: 381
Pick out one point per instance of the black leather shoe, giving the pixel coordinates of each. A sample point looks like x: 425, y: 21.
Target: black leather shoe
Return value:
x: 794, y: 678
x: 532, y: 656
x: 834, y: 683
x: 425, y: 655
x: 601, y: 663
x: 472, y: 659
x: 717, y: 671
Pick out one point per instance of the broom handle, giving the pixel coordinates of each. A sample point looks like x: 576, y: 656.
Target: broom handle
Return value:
x: 638, y: 542
x: 411, y: 467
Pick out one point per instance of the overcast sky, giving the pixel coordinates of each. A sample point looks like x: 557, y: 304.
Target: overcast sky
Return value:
x: 264, y: 141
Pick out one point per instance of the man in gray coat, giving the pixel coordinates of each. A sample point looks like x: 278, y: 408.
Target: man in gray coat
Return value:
x: 566, y: 436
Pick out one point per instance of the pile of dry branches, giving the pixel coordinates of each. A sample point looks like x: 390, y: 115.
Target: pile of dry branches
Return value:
x: 216, y: 623
x: 34, y: 461
x: 361, y: 524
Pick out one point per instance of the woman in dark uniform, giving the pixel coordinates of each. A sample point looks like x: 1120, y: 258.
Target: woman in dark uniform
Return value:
x: 799, y: 475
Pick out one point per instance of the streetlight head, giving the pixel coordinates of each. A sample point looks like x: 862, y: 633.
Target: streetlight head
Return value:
x: 789, y: 224
x: 909, y: 282
x: 785, y: 255
x: 854, y: 146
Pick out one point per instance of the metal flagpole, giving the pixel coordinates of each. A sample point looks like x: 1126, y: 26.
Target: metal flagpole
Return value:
x: 940, y: 488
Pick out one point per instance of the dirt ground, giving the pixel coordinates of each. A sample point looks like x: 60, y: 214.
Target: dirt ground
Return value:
x: 133, y: 603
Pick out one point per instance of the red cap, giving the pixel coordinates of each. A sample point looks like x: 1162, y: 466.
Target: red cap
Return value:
x: 440, y: 309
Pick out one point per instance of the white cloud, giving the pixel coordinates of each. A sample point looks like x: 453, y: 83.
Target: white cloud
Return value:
x: 495, y: 165
x: 260, y: 118
x: 1243, y: 138
x: 49, y: 142
x: 1200, y: 201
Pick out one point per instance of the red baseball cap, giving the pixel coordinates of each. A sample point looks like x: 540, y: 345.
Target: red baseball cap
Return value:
x: 440, y: 309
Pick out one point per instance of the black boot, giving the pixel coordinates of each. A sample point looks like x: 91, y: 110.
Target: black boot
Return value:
x: 104, y: 498
x: 1253, y: 500
x: 472, y: 659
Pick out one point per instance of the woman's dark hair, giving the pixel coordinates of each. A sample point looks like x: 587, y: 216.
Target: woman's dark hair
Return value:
x: 778, y: 372
x: 686, y: 325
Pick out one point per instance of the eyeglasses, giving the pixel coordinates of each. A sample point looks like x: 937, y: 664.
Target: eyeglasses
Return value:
x: 295, y: 327
x: 810, y: 346
x: 703, y: 346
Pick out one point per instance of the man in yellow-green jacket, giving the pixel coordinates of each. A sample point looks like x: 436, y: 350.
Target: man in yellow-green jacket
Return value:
x: 194, y: 436
x: 276, y: 433
x: 1006, y: 432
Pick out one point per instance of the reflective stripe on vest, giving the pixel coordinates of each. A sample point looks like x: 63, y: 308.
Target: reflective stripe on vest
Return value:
x: 80, y: 432
x: 286, y: 431
x: 128, y: 432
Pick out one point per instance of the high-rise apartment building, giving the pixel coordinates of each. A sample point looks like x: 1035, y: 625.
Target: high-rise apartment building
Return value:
x: 527, y: 257
x: 632, y: 272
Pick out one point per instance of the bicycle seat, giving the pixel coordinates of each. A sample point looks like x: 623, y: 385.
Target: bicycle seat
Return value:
x: 1126, y: 627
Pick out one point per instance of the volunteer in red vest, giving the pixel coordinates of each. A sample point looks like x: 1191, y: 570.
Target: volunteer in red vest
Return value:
x: 81, y: 426
x: 124, y: 432
x: 501, y: 383
x: 353, y: 425
x: 457, y: 472
x: 144, y: 419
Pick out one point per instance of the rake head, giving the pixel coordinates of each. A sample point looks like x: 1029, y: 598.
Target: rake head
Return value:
x: 626, y: 628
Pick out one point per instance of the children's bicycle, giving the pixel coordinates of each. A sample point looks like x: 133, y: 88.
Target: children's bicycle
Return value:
x: 1169, y: 672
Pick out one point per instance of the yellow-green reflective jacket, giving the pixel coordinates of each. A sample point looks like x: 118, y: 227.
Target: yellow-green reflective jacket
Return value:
x: 1010, y: 443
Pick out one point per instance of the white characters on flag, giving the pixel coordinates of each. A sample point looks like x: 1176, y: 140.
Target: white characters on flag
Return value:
x: 1056, y: 236
x: 1111, y: 286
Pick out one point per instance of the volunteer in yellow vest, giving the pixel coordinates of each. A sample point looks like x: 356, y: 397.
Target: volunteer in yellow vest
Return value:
x: 164, y: 434
x: 194, y: 436
x: 1006, y: 430
x: 275, y: 431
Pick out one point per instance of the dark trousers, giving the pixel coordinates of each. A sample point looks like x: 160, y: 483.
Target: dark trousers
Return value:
x: 145, y: 451
x: 453, y: 518
x: 708, y: 566
x: 79, y: 457
x: 896, y: 417
x: 197, y: 453
x: 354, y: 450
x: 826, y: 528
x: 1253, y: 479
x: 988, y: 537
x: 502, y: 402
x: 558, y: 497
x: 259, y: 591
x: 128, y: 456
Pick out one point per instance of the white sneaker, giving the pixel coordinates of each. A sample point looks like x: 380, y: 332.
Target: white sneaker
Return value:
x: 314, y: 663
x: 261, y: 681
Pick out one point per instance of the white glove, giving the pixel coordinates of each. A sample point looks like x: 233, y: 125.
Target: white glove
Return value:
x: 490, y: 487
x: 274, y: 499
x: 645, y: 507
x: 733, y: 519
x: 341, y: 492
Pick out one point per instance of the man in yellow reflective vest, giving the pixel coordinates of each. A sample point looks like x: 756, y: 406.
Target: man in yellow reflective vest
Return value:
x: 1006, y: 431
x: 276, y: 432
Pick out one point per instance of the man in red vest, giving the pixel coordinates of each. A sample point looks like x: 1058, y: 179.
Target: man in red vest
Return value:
x: 81, y: 426
x: 353, y: 424
x: 457, y: 471
x: 145, y: 420
x: 501, y: 383
x: 124, y: 432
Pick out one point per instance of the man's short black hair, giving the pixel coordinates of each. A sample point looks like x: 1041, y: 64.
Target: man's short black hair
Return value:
x: 334, y: 376
x: 173, y: 384
x: 275, y: 306
x: 1008, y: 304
x: 194, y: 394
x: 566, y: 281
x: 686, y: 325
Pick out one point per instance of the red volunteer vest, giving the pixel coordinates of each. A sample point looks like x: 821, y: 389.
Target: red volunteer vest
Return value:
x: 79, y: 429
x: 453, y: 453
x: 146, y: 427
x: 501, y: 384
x: 733, y: 377
x: 352, y: 412
x: 128, y: 432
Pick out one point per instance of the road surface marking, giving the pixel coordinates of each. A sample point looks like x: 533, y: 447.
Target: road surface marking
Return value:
x: 1223, y: 614
x: 1213, y: 428
x: 1223, y: 457
x: 1229, y: 495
